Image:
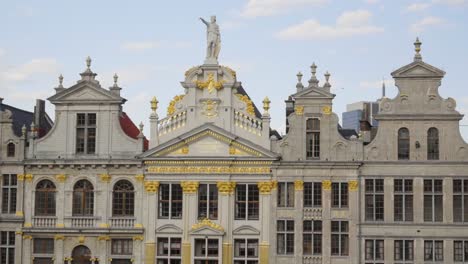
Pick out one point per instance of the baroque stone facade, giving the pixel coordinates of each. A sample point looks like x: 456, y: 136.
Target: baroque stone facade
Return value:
x: 215, y: 184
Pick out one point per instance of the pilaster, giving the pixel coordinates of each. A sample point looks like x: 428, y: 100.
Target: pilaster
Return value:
x: 418, y: 199
x: 189, y: 216
x: 27, y: 249
x: 151, y: 190
x: 326, y: 224
x: 19, y: 246
x: 103, y: 198
x: 59, y: 250
x: 60, y: 204
x: 265, y: 189
x: 20, y: 195
x: 225, y: 196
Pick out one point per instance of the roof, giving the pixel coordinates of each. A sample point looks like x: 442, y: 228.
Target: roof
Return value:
x: 131, y: 129
x: 347, y: 133
x: 241, y: 91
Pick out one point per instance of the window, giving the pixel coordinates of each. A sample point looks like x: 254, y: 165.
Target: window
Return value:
x: 433, y: 144
x: 169, y: 250
x: 433, y: 250
x: 404, y: 251
x: 7, y: 247
x: 460, y: 251
x: 460, y: 200
x: 245, y: 251
x: 339, y: 238
x: 45, y: 198
x: 312, y: 237
x: 11, y: 149
x: 9, y: 189
x: 86, y: 133
x: 340, y: 194
x: 247, y: 202
x: 122, y: 247
x: 206, y: 251
x: 313, y: 138
x: 312, y: 194
x: 433, y: 206
x: 403, y: 200
x: 285, y: 194
x: 83, y: 198
x: 403, y: 144
x: 374, y: 199
x: 208, y: 201
x: 123, y: 200
x: 285, y: 237
x: 44, y: 249
x: 374, y: 251
x: 170, y: 201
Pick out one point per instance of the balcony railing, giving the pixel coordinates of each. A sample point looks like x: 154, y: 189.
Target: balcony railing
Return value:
x: 44, y: 221
x: 122, y: 222
x: 81, y: 221
x: 312, y: 213
x: 312, y: 260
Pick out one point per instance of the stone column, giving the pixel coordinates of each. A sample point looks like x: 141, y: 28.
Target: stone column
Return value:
x: 19, y: 195
x: 59, y: 250
x: 138, y: 249
x: 102, y: 248
x: 225, y: 205
x: 419, y: 250
x: 27, y: 249
x: 265, y: 216
x: 418, y: 199
x: 298, y: 219
x: 139, y: 194
x: 189, y: 216
x: 326, y: 224
x: 353, y: 205
x: 19, y: 247
x: 103, y: 203
x: 151, y: 189
x: 28, y: 196
x: 388, y: 200
x: 61, y: 203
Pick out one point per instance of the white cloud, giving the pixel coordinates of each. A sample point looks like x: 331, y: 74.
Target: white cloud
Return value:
x: 140, y: 45
x: 425, y: 23
x: 258, y: 8
x: 451, y: 2
x: 25, y: 71
x: 416, y: 7
x: 371, y: 1
x: 375, y: 84
x: 348, y: 24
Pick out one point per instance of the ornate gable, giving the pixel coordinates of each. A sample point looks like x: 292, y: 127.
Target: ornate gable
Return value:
x: 85, y: 92
x: 418, y: 69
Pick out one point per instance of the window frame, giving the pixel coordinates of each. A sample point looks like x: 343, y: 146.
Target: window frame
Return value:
x: 434, y: 197
x: 464, y: 251
x: 316, y: 237
x: 337, y: 195
x: 285, y: 198
x: 86, y: 203
x: 462, y: 195
x: 435, y: 246
x: 287, y: 236
x: 50, y: 198
x: 375, y: 249
x: 406, y: 251
x: 7, y: 246
x: 206, y: 256
x: 211, y: 202
x: 342, y: 233
x: 169, y: 257
x: 171, y: 213
x: 251, y: 204
x: 9, y: 198
x: 88, y: 138
x: 405, y: 195
x: 376, y: 195
x: 433, y: 144
x: 313, y: 134
x: 126, y: 202
x: 404, y: 144
x: 11, y: 150
x: 246, y: 259
x: 312, y: 195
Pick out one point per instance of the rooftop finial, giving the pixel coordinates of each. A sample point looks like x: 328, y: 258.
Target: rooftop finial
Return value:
x: 313, y: 82
x: 327, y: 77
x: 266, y: 105
x: 417, y: 48
x: 299, y: 84
x: 116, y: 78
x: 154, y: 104
x: 299, y: 77
x: 141, y: 126
x: 327, y: 84
x: 60, y: 81
x: 88, y: 62
x: 383, y: 87
x: 313, y: 69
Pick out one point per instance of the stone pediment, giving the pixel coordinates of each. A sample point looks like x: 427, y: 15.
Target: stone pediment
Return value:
x: 313, y: 93
x: 246, y: 230
x: 207, y: 227
x: 85, y: 92
x: 169, y: 229
x: 209, y: 141
x: 418, y: 69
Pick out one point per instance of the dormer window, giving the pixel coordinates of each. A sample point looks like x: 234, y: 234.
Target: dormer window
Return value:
x: 313, y: 138
x: 86, y: 133
x: 11, y: 149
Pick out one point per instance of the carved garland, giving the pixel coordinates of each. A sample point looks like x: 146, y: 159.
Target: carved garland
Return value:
x: 207, y: 223
x: 172, y: 105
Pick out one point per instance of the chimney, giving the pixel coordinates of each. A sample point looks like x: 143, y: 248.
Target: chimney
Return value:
x: 39, y: 116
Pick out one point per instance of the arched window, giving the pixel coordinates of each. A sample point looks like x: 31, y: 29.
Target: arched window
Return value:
x: 123, y: 199
x: 83, y: 198
x: 403, y: 144
x: 45, y: 198
x: 11, y: 149
x: 433, y: 144
x: 81, y: 255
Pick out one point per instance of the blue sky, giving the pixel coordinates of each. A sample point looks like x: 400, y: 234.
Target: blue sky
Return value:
x: 150, y: 44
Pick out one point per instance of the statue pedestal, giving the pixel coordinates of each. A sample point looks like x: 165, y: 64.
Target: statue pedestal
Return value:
x: 211, y: 61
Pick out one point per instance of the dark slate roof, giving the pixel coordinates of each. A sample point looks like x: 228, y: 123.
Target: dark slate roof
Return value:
x: 347, y: 133
x: 22, y: 117
x: 240, y: 90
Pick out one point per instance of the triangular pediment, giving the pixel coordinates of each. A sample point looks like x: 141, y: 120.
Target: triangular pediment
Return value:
x: 313, y: 93
x: 85, y: 92
x: 209, y: 141
x: 418, y: 69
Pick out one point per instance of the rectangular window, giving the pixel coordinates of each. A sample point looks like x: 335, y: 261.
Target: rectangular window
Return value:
x: 7, y: 247
x: 86, y: 133
x: 43, y: 246
x: 245, y: 251
x: 339, y: 238
x: 285, y: 237
x: 247, y: 202
x: 313, y: 138
x: 170, y: 201
x: 208, y: 201
x: 433, y: 250
x: 285, y: 194
x: 169, y: 250
x: 9, y: 189
x: 312, y: 237
x: 374, y: 251
x: 312, y: 194
x: 433, y: 201
x: 403, y: 251
x: 403, y: 200
x: 206, y: 251
x: 374, y: 199
x: 122, y: 247
x: 460, y: 251
x: 339, y: 194
x: 460, y: 200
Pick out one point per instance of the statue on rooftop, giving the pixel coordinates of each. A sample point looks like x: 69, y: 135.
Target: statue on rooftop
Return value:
x: 213, y: 38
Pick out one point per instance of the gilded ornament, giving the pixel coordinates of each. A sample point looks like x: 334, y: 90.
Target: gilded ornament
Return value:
x: 266, y: 104
x: 105, y: 177
x: 18, y: 233
x: 138, y: 226
x: 28, y: 177
x: 353, y: 185
x: 326, y: 185
x: 210, y: 108
x: 61, y: 177
x: 140, y: 177
x: 298, y: 185
x: 59, y: 237
x: 275, y: 185
x: 226, y: 188
x: 103, y: 238
x: 189, y: 186
x: 265, y: 187
x: 104, y: 225
x: 138, y: 237
x: 207, y: 223
x: 151, y: 186
x: 27, y: 225
x: 326, y: 110
x: 81, y: 239
x: 210, y: 84
x: 231, y: 71
x: 171, y: 109
x: 19, y: 213
x: 299, y: 110
x: 211, y: 170
x: 249, y: 107
x: 60, y: 225
x: 185, y: 150
x: 20, y: 177
x: 27, y: 237
x: 154, y: 104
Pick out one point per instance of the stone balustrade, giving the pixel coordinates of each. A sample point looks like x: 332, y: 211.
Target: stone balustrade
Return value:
x: 44, y: 221
x: 249, y: 123
x: 81, y: 221
x: 171, y: 123
x: 312, y: 260
x: 122, y: 222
